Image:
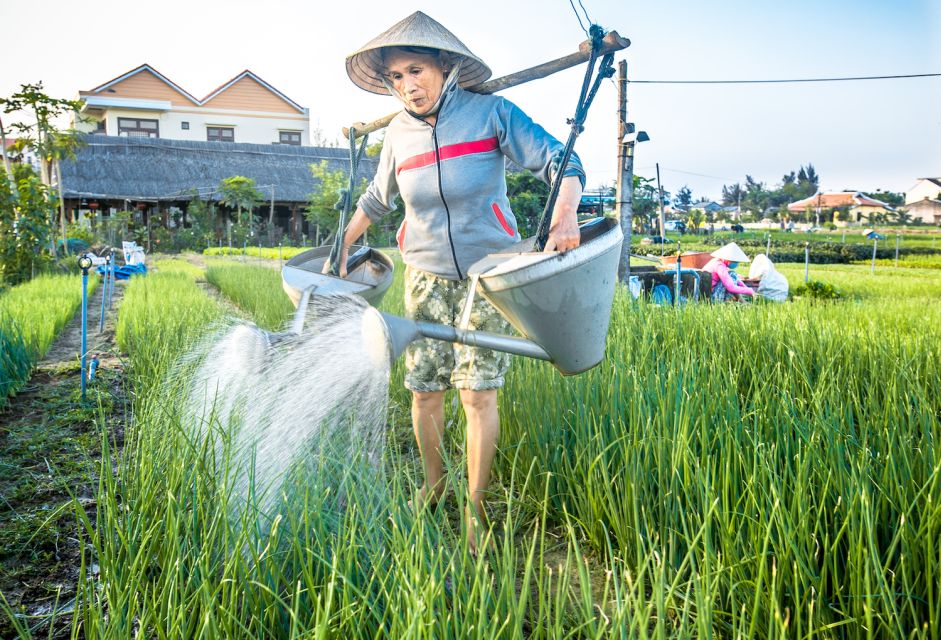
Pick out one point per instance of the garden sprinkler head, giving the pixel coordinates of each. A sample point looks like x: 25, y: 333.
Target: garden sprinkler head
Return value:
x: 85, y: 263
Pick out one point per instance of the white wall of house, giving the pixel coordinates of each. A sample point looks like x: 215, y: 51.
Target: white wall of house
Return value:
x: 923, y: 189
x: 249, y: 126
x: 927, y: 211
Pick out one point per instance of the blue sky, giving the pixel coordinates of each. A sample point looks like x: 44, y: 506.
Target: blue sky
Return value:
x: 859, y: 135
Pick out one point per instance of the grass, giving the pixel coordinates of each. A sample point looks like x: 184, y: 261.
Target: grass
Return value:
x: 31, y: 316
x: 255, y: 289
x: 748, y: 471
x: 266, y: 253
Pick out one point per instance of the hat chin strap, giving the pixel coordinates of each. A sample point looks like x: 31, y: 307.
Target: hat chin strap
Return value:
x: 449, y: 83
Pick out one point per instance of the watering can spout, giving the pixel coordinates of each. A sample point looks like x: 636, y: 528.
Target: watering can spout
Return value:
x: 400, y: 332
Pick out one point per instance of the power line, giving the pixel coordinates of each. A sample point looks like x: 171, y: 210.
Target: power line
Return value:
x: 578, y: 17
x: 690, y: 173
x: 789, y: 80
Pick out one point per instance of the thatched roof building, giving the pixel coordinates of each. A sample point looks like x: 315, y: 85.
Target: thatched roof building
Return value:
x: 156, y: 176
x: 162, y: 170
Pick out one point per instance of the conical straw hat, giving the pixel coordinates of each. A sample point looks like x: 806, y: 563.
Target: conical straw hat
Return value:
x: 731, y: 252
x: 417, y: 30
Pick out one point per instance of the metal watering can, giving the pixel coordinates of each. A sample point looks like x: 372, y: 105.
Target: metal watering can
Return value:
x: 560, y: 302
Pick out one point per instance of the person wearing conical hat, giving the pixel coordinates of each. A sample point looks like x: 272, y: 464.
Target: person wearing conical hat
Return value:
x: 725, y: 282
x: 444, y: 155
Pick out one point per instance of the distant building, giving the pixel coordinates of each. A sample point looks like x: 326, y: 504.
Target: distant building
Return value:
x: 857, y: 204
x: 925, y: 188
x: 708, y: 206
x: 155, y: 177
x: 27, y: 156
x: 927, y: 210
x: 144, y: 103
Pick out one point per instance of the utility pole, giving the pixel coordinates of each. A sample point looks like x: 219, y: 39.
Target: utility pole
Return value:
x: 663, y: 222
x: 625, y: 185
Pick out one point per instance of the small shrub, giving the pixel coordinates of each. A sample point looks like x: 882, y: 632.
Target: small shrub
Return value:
x: 817, y: 290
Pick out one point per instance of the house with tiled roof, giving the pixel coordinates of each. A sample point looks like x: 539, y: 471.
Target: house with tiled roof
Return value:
x: 929, y: 188
x: 856, y: 204
x: 145, y: 103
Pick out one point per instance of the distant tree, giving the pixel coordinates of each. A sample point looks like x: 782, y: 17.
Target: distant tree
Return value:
x: 732, y: 195
x: 890, y: 198
x: 756, y: 198
x: 645, y: 201
x: 902, y: 216
x: 42, y: 137
x: 528, y: 195
x: 322, y: 203
x: 808, y: 182
x: 684, y: 198
x: 26, y: 216
x: 239, y: 192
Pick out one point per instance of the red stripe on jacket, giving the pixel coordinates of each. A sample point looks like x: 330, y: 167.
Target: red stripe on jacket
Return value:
x: 448, y: 152
x: 502, y: 219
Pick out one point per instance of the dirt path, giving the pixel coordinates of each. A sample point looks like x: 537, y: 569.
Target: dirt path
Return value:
x: 50, y: 452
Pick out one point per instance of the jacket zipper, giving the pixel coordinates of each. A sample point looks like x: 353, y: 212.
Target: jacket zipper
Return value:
x: 447, y: 211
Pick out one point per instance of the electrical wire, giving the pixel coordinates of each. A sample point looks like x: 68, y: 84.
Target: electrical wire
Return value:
x: 788, y: 80
x: 578, y: 17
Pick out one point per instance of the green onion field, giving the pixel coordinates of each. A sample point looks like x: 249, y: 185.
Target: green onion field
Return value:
x: 739, y: 471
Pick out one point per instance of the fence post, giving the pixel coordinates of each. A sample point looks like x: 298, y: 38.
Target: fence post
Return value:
x: 875, y: 242
x: 768, y: 246
x: 806, y: 262
x: 897, y: 240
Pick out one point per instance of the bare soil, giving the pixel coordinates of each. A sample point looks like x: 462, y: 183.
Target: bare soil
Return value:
x: 50, y: 460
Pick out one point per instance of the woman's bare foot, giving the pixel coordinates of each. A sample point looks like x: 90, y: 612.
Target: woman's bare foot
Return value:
x: 425, y: 496
x: 478, y: 530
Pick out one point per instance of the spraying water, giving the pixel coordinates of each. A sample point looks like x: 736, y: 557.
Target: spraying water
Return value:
x: 302, y: 411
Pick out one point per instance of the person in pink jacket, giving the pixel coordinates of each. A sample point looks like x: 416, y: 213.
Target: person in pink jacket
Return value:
x: 726, y: 284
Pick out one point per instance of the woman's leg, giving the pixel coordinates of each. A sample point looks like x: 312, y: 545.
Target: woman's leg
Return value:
x: 483, y: 429
x: 428, y: 425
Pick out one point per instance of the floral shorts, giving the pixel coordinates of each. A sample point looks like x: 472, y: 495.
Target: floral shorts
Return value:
x: 434, y: 365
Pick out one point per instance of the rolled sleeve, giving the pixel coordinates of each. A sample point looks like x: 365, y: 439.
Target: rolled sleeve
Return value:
x: 379, y: 198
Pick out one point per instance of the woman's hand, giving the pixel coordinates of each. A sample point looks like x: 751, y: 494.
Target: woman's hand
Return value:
x: 563, y: 230
x: 344, y: 256
x: 563, y: 233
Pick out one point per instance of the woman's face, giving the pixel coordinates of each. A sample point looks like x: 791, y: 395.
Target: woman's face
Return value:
x: 418, y: 78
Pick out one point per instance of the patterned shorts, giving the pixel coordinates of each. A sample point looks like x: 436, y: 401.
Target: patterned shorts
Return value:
x: 434, y: 365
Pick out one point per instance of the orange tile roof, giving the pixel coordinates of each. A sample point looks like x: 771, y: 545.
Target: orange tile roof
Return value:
x: 837, y: 199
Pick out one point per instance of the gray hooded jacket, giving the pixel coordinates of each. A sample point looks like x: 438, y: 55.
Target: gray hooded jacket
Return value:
x: 452, y: 178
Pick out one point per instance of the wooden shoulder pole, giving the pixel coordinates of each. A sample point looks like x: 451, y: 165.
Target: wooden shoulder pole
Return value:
x: 612, y: 42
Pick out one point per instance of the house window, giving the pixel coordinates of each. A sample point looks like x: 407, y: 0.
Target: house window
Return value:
x: 100, y: 128
x: 289, y: 137
x: 220, y: 134
x: 138, y: 128
x: 185, y: 126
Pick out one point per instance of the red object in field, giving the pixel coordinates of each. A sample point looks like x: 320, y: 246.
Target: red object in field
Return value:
x: 92, y: 205
x: 691, y: 260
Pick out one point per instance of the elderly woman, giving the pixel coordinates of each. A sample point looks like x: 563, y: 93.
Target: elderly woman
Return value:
x: 444, y: 154
x: 725, y: 282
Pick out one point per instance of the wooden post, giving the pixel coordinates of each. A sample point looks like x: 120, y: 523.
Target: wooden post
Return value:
x: 663, y: 223
x: 625, y: 184
x: 294, y: 224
